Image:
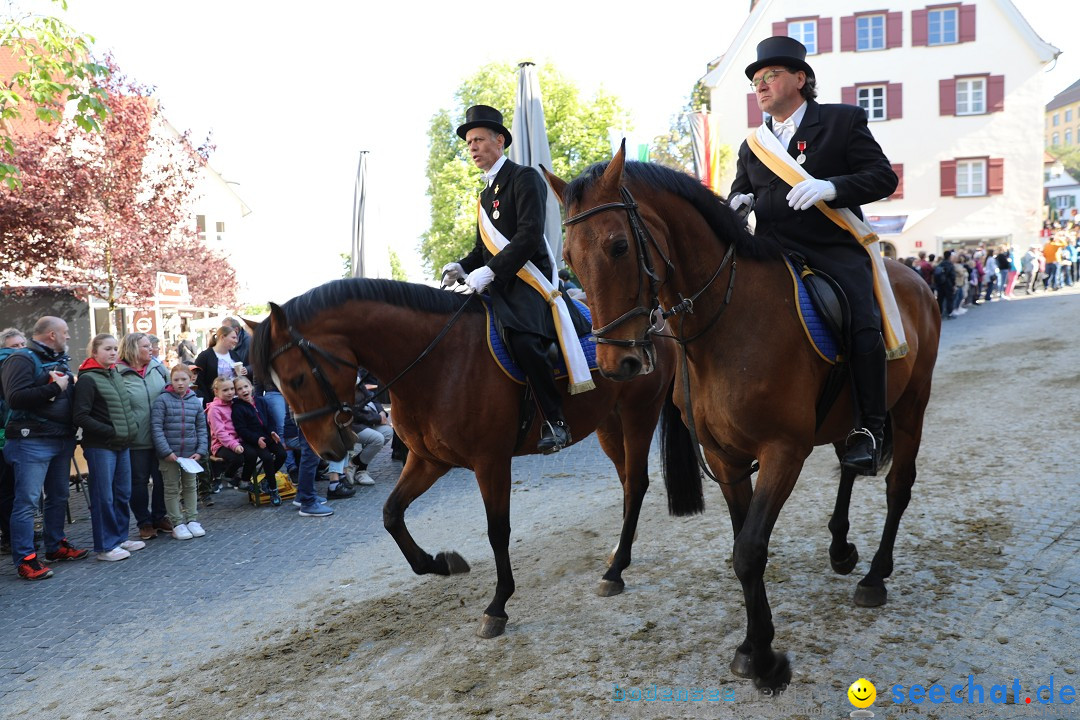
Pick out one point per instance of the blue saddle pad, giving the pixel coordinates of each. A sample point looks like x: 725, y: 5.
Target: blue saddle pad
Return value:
x: 817, y: 330
x: 501, y: 354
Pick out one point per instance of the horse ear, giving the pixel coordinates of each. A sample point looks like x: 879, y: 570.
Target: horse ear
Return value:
x: 613, y: 176
x: 277, y: 316
x: 557, y: 184
x: 250, y: 323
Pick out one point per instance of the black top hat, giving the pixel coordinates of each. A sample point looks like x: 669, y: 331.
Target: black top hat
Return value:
x: 780, y: 50
x: 484, y: 116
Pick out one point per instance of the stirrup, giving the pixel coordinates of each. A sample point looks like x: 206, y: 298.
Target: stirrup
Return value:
x: 862, y: 431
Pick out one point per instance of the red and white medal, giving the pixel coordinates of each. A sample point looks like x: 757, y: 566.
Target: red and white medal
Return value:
x: 801, y: 158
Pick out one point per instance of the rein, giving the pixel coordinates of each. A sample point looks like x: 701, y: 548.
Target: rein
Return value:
x: 334, y: 405
x: 642, y: 239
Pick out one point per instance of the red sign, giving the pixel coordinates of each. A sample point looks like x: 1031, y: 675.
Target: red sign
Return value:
x: 144, y: 321
x: 172, y: 289
x: 918, y: 243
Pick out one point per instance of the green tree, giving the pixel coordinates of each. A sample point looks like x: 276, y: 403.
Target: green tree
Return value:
x: 577, y: 129
x: 397, y: 270
x: 1069, y: 157
x: 674, y: 149
x: 53, y: 71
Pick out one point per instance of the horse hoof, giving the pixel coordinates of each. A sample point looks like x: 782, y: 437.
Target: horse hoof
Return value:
x: 778, y: 679
x: 491, y: 627
x: 607, y: 588
x: 455, y: 564
x: 742, y: 666
x: 846, y: 565
x: 870, y: 595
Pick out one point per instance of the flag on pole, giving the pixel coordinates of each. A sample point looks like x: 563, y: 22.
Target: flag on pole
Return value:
x: 705, y: 140
x: 359, y: 203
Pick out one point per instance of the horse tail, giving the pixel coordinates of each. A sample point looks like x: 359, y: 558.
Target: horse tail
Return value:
x: 682, y: 476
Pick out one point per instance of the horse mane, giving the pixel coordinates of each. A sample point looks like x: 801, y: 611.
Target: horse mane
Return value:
x: 332, y: 295
x: 712, y: 207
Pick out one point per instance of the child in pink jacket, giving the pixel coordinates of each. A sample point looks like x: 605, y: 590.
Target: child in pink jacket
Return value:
x: 224, y: 442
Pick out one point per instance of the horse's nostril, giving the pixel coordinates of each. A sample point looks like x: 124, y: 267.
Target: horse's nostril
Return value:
x: 630, y: 366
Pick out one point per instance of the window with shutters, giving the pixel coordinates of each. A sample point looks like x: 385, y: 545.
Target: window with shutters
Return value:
x: 942, y: 26
x: 971, y: 96
x: 970, y: 178
x: 870, y: 32
x: 1065, y: 201
x: 805, y: 31
x: 871, y: 98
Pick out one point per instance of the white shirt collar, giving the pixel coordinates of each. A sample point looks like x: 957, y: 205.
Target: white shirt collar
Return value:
x: 795, y: 117
x: 489, y: 176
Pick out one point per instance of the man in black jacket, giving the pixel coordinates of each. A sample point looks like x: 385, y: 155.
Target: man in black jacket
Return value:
x: 514, y: 198
x: 847, y: 167
x: 40, y: 444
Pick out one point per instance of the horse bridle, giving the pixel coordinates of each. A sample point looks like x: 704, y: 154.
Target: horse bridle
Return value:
x: 343, y: 412
x: 655, y: 312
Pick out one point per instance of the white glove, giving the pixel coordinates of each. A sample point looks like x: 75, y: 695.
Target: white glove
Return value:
x: 480, y: 278
x: 737, y: 200
x: 451, y: 273
x: 809, y: 192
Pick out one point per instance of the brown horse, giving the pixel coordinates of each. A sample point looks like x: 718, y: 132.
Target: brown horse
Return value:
x: 453, y: 408
x: 641, y: 237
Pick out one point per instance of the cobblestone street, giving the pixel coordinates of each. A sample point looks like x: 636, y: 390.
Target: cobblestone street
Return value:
x: 272, y: 615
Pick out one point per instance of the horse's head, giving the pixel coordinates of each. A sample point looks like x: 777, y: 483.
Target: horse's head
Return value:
x: 610, y: 247
x: 316, y: 376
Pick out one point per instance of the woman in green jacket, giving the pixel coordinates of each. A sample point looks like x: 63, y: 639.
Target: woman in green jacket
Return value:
x: 103, y: 410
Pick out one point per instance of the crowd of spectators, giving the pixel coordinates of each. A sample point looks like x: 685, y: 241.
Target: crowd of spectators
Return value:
x: 964, y: 279
x: 147, y: 432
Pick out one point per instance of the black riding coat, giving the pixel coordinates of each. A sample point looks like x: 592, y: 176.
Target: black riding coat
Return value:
x: 840, y: 149
x: 521, y: 194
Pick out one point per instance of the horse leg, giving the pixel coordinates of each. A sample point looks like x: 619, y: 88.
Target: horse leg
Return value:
x: 738, y: 492
x: 629, y: 451
x: 907, y: 435
x: 416, y: 478
x: 843, y: 556
x: 770, y: 670
x: 494, y: 481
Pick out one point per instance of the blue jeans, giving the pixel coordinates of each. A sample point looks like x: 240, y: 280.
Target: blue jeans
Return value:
x: 42, y: 464
x: 144, y: 465
x: 275, y: 403
x: 309, y: 468
x: 110, y: 492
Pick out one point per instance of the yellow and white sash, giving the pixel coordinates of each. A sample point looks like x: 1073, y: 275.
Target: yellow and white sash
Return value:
x: 576, y: 365
x: 769, y: 151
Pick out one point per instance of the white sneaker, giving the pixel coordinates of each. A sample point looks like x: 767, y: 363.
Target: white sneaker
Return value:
x: 132, y: 545
x: 181, y: 531
x: 117, y: 553
x: 195, y: 529
x: 363, y: 478
x: 960, y: 311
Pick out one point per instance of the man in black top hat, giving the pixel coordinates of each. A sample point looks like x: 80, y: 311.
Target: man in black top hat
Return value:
x: 847, y: 168
x: 513, y: 198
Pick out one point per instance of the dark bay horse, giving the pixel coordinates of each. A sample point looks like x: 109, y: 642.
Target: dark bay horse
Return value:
x: 454, y: 408
x: 640, y: 235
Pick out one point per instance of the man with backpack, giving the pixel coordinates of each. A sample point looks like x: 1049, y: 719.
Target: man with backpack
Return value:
x: 37, y: 387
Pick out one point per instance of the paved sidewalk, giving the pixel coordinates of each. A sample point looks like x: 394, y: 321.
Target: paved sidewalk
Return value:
x: 247, y: 553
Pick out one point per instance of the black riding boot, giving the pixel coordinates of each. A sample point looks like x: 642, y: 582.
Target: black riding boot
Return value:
x: 530, y: 352
x: 864, y: 443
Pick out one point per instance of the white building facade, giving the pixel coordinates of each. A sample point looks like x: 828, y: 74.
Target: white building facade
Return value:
x: 954, y: 95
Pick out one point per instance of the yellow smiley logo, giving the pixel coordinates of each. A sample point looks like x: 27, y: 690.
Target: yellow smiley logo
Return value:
x: 862, y: 693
